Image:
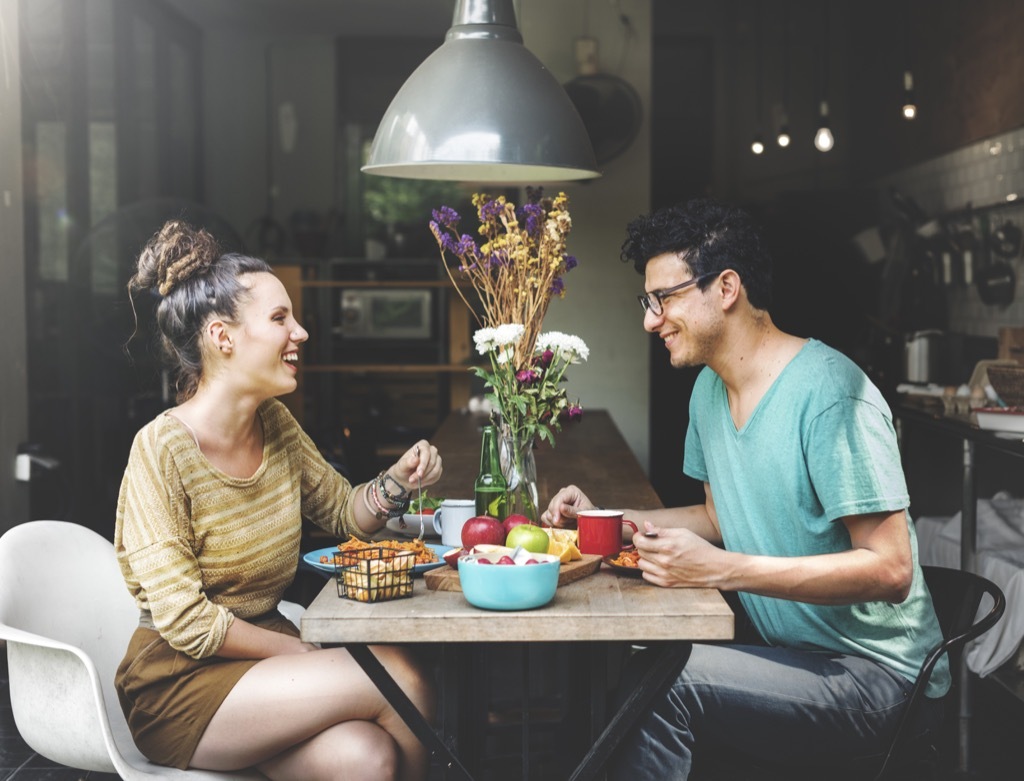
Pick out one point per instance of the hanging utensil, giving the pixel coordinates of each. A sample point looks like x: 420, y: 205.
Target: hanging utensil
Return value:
x: 997, y: 280
x: 1006, y: 240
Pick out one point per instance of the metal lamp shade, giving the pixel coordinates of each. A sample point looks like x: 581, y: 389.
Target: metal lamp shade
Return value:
x: 482, y: 108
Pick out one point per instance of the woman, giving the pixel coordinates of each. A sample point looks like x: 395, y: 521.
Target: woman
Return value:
x: 207, y: 537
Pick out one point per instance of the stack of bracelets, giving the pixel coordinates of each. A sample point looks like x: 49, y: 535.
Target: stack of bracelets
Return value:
x: 377, y: 493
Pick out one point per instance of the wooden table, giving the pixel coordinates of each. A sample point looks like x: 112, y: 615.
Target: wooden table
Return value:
x: 601, y: 609
x: 604, y: 607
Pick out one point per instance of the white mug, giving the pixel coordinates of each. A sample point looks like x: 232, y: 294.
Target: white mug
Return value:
x: 450, y: 517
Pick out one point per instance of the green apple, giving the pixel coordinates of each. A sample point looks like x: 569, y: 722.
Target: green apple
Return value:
x: 532, y: 538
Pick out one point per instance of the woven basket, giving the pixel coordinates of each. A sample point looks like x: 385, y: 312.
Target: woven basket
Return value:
x: 1008, y: 382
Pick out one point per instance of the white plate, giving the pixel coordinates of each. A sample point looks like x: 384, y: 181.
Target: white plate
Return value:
x: 412, y: 526
x: 995, y: 419
x: 313, y: 559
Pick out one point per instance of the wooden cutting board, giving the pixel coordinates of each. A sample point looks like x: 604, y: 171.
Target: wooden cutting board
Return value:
x: 447, y: 579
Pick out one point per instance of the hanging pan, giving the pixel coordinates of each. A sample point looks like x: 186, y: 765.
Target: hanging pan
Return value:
x: 1006, y: 240
x: 996, y: 278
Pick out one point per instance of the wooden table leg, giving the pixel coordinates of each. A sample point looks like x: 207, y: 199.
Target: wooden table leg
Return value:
x: 403, y: 706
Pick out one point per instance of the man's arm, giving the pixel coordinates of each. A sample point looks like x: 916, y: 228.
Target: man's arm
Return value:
x: 878, y: 565
x: 699, y: 518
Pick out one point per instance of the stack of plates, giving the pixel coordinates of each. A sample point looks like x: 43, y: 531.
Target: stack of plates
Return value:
x: 1001, y: 418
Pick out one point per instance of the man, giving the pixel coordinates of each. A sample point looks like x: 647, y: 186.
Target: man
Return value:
x: 805, y: 516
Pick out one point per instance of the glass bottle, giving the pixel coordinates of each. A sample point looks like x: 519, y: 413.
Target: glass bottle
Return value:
x: 491, y: 489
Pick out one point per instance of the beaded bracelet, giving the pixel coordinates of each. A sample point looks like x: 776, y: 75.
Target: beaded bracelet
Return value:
x: 403, y: 492
x: 400, y: 499
x: 385, y: 512
x: 366, y: 501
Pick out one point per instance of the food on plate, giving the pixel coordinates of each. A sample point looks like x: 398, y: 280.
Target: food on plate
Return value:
x: 563, y: 543
x: 424, y: 504
x: 374, y: 580
x: 560, y: 549
x: 452, y: 557
x: 627, y: 558
x: 531, y: 537
x: 423, y: 554
x: 482, y: 530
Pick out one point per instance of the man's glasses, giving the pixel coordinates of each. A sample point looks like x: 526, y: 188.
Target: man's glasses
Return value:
x: 652, y: 302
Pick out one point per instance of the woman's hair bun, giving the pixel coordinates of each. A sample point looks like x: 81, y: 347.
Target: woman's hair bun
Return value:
x: 177, y: 252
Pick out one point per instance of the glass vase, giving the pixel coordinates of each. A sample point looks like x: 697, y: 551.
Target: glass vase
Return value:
x: 520, y: 469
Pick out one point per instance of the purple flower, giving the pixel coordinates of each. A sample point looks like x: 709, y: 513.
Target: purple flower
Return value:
x: 448, y: 243
x: 570, y: 262
x: 496, y: 259
x: 446, y: 216
x: 575, y: 413
x: 527, y: 377
x: 532, y: 216
x: 466, y: 245
x: 491, y: 210
x: 544, y: 359
x: 557, y: 286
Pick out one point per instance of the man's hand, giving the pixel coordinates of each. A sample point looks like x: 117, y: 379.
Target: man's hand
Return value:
x: 677, y: 558
x: 565, y: 506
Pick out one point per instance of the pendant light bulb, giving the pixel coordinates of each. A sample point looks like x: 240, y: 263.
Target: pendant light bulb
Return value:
x: 783, y: 139
x: 909, y: 106
x: 757, y: 146
x: 823, y: 140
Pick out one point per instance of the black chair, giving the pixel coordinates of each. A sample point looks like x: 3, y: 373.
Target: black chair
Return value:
x: 957, y: 595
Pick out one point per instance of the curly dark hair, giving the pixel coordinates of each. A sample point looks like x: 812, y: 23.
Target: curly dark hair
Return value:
x: 184, y: 266
x: 710, y: 237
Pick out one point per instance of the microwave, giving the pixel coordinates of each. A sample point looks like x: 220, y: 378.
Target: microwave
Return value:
x: 393, y: 313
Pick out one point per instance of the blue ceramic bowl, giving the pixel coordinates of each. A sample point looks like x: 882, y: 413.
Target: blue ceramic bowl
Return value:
x: 509, y: 586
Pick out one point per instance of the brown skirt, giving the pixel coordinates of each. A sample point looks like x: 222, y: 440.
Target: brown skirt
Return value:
x: 169, y: 698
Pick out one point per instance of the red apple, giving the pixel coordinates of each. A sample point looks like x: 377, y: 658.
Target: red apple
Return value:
x: 453, y: 556
x: 482, y: 530
x: 515, y: 520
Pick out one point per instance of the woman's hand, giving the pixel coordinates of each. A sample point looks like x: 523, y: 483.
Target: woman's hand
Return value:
x: 418, y: 467
x: 565, y: 506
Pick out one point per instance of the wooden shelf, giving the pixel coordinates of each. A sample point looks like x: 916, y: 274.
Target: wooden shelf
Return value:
x: 331, y: 393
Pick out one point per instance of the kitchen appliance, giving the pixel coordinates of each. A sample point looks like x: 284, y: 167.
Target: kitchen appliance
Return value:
x: 380, y: 314
x: 922, y: 355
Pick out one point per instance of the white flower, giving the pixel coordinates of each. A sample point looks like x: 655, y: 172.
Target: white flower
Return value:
x: 569, y: 348
x: 489, y: 339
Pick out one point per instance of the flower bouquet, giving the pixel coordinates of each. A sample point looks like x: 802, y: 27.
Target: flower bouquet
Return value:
x: 516, y: 270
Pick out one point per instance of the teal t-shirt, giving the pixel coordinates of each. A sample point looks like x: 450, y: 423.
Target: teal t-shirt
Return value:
x: 819, y: 446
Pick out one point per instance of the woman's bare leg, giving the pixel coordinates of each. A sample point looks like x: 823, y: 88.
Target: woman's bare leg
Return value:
x: 285, y: 701
x: 353, y: 751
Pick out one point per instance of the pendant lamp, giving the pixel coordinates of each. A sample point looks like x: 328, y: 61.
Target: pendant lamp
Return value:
x: 482, y: 108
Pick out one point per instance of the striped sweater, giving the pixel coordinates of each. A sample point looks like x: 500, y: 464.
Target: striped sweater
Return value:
x: 198, y: 547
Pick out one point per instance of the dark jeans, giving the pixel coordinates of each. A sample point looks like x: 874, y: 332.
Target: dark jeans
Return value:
x: 771, y: 704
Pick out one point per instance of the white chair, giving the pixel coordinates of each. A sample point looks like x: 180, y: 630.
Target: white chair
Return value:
x: 67, y: 616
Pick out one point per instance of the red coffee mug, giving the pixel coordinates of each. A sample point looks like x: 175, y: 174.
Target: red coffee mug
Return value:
x: 600, y: 531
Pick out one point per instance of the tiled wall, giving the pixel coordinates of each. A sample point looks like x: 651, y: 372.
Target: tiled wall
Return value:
x: 986, y: 174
